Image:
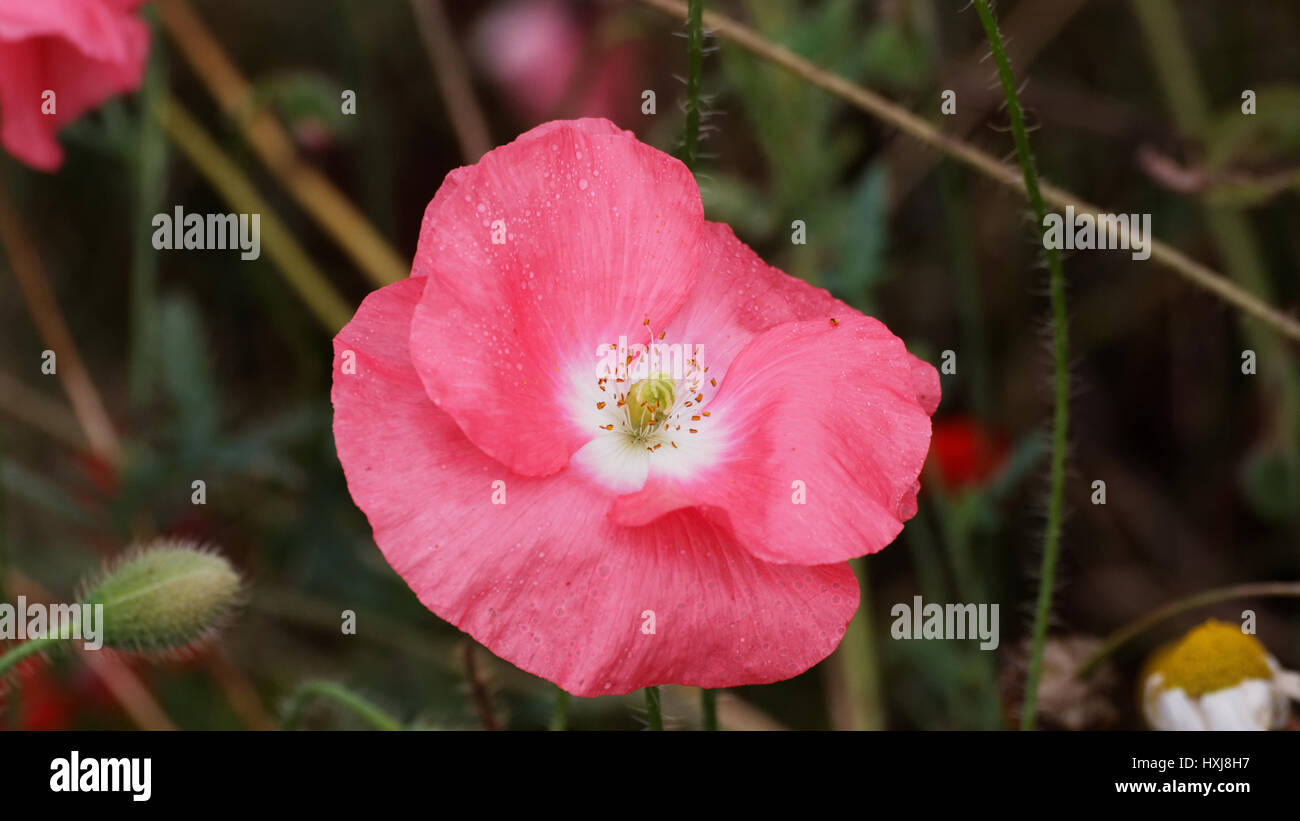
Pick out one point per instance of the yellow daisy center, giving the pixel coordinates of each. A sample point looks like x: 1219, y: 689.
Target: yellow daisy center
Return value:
x: 1211, y: 657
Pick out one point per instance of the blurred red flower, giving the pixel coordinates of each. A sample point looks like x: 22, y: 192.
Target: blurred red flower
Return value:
x: 42, y: 702
x: 964, y: 453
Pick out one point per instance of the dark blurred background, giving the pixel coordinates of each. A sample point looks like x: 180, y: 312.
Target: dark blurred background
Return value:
x: 216, y: 370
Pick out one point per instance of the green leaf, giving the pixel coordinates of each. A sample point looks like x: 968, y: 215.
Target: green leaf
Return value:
x: 187, y: 376
x: 862, y: 255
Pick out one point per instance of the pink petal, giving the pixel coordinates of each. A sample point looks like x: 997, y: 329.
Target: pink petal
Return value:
x: 98, y: 28
x: 546, y: 580
x: 925, y: 381
x: 736, y: 296
x: 85, y: 52
x: 829, y: 409
x: 602, y: 235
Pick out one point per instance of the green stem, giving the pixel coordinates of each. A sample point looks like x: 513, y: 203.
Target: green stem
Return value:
x: 560, y: 718
x: 653, y: 711
x: 341, y: 696
x: 150, y: 159
x: 955, y: 523
x: 1125, y: 634
x: 856, y: 665
x: 709, y: 709
x: 28, y: 648
x: 1060, y: 422
x: 694, y: 75
x: 924, y: 551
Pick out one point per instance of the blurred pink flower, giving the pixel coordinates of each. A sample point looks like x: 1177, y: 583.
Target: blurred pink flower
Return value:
x: 531, y: 48
x: 84, y: 51
x: 609, y: 530
x: 535, y: 53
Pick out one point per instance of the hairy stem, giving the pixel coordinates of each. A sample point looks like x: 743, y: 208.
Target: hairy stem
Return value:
x: 1061, y: 350
x: 694, y: 75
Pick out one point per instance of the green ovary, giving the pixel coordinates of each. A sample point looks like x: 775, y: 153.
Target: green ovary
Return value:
x: 649, y: 402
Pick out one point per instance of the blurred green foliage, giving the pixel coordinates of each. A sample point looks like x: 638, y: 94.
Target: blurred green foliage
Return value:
x: 216, y: 372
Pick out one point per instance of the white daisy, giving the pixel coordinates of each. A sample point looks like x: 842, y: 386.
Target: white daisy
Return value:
x: 1217, y: 678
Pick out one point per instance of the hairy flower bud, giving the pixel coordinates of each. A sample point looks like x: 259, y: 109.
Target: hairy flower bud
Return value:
x: 167, y: 596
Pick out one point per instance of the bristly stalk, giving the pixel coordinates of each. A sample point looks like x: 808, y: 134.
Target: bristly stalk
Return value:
x: 1060, y: 422
x: 694, y: 73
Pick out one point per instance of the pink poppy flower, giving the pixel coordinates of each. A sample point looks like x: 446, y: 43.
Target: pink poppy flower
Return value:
x: 688, y: 524
x: 84, y: 51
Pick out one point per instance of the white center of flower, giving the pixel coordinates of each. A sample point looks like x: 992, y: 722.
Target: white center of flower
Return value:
x: 647, y: 415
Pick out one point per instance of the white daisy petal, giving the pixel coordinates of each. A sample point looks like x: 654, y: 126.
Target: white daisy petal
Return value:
x: 1173, y: 710
x: 1246, y: 706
